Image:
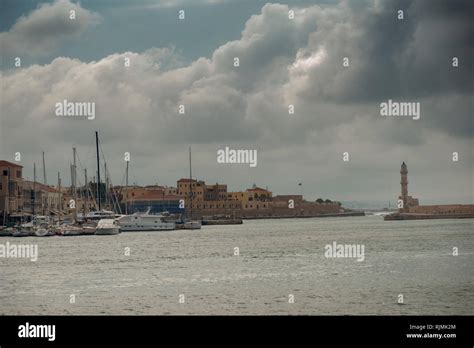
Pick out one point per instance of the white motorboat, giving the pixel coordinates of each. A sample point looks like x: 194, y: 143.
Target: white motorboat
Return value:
x: 107, y: 227
x: 145, y: 222
x: 42, y: 226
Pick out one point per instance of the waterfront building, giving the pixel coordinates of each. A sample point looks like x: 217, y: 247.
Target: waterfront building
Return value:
x: 27, y: 197
x: 255, y: 202
x: 138, y: 199
x: 186, y: 186
x: 11, y: 188
x: 41, y: 199
x: 235, y: 196
x: 217, y: 192
x: 155, y: 201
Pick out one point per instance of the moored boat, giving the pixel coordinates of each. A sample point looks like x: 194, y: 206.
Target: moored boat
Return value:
x: 22, y: 233
x: 107, y: 227
x: 25, y: 230
x: 44, y: 232
x: 69, y: 230
x: 88, y: 230
x: 97, y: 215
x: 145, y: 222
x: 7, y: 232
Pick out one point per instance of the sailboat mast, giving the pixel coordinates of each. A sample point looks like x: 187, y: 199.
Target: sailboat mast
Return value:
x: 44, y: 171
x: 98, y: 167
x: 126, y: 190
x: 6, y: 210
x: 190, y: 183
x: 34, y: 188
x: 86, y: 192
x: 74, y: 171
x: 106, y: 184
x: 73, y: 175
x: 59, y: 197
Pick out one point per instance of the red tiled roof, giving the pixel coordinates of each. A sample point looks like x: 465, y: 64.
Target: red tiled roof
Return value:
x: 9, y: 164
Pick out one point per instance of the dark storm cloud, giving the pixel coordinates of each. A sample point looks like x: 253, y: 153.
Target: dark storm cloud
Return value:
x: 391, y: 58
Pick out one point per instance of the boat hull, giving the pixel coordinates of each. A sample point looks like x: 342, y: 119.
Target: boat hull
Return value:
x: 140, y: 228
x: 107, y: 231
x: 145, y: 222
x: 43, y: 232
x: 23, y: 234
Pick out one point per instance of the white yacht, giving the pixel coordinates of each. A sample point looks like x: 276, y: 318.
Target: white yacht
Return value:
x: 97, y: 215
x: 107, y: 227
x: 145, y: 222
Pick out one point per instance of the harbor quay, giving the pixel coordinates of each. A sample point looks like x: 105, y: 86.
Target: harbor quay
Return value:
x: 21, y: 199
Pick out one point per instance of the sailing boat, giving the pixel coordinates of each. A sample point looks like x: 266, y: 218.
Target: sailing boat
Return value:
x: 191, y: 224
x: 104, y: 226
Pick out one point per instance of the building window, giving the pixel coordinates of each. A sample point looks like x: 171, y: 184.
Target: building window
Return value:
x: 18, y: 174
x: 5, y: 173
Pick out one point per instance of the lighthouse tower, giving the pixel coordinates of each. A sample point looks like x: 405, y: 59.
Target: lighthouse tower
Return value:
x: 404, y: 183
x: 408, y: 201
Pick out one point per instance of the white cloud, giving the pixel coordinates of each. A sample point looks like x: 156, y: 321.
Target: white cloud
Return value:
x: 45, y: 28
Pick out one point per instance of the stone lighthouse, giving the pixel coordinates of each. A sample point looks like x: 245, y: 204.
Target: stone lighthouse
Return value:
x: 408, y: 201
x: 404, y: 183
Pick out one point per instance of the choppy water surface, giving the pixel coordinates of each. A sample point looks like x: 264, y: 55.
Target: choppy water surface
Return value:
x: 277, y: 258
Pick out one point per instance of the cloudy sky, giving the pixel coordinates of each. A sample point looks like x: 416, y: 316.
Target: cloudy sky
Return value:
x: 283, y: 61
